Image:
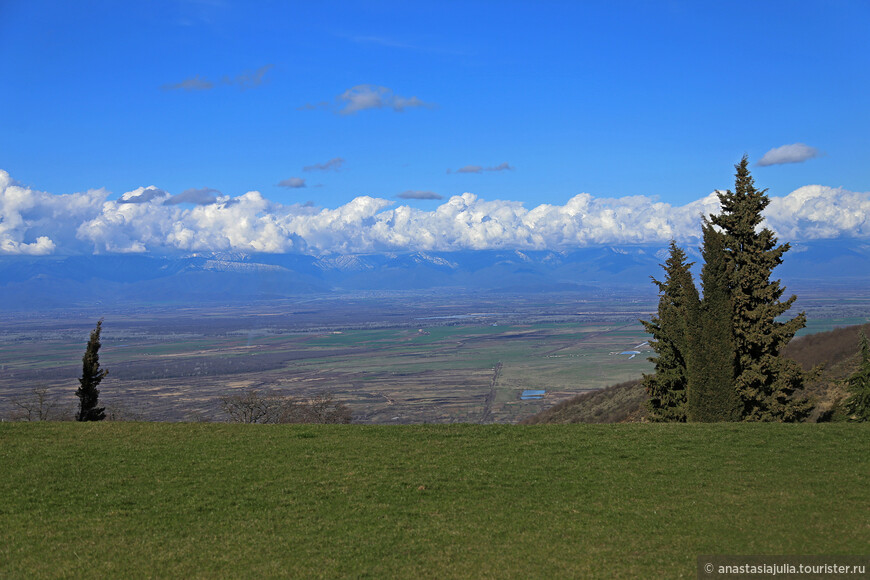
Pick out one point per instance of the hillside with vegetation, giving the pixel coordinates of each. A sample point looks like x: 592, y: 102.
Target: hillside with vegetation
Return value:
x: 827, y: 357
x: 830, y: 359
x: 619, y: 403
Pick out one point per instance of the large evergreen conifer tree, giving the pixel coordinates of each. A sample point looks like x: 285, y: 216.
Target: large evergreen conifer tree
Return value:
x: 88, y: 393
x: 678, y: 306
x: 765, y: 381
x: 711, y: 394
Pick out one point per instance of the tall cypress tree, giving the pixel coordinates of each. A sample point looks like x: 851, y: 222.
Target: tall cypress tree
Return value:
x: 678, y: 306
x: 711, y: 393
x: 765, y: 381
x: 88, y: 393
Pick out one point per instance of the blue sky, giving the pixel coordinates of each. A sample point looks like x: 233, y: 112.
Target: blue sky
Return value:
x: 538, y: 102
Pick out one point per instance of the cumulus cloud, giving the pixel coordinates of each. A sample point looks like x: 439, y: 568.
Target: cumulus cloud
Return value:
x: 244, y: 223
x: 819, y: 212
x: 480, y: 168
x: 333, y: 164
x: 202, y: 196
x: 794, y: 153
x: 293, y: 182
x: 417, y: 194
x: 245, y: 80
x: 363, y: 97
x: 34, y: 222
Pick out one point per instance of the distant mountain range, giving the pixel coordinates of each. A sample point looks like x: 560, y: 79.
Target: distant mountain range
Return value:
x: 62, y: 281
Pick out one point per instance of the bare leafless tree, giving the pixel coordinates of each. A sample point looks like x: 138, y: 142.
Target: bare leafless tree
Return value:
x: 121, y: 410
x: 38, y: 405
x: 323, y: 409
x: 254, y: 406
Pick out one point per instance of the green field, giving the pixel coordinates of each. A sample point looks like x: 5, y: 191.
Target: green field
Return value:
x: 436, y: 501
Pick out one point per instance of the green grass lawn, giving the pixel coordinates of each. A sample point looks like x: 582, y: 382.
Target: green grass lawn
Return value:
x: 218, y: 500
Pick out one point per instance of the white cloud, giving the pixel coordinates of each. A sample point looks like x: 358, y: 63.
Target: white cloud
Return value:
x: 362, y: 97
x: 247, y: 223
x: 34, y: 222
x: 794, y: 153
x: 41, y: 247
x: 819, y: 212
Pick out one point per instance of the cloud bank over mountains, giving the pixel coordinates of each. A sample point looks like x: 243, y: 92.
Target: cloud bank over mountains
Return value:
x: 149, y: 219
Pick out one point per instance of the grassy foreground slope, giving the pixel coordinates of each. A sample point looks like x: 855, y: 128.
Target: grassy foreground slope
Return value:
x: 229, y: 500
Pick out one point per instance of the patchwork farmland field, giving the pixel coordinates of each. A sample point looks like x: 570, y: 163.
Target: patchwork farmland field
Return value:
x: 393, y: 359
x: 462, y: 373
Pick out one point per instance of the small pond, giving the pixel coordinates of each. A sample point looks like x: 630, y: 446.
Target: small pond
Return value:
x: 530, y: 394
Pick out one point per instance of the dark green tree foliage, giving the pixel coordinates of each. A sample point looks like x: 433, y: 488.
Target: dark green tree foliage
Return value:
x: 764, y: 380
x: 857, y: 404
x: 678, y: 304
x: 711, y: 394
x: 88, y: 393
